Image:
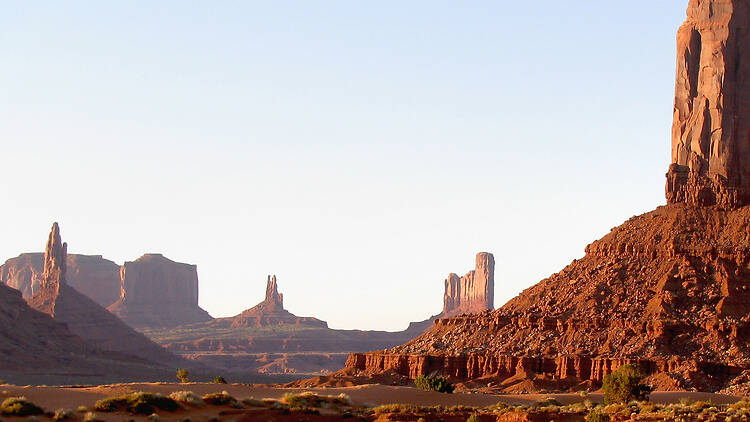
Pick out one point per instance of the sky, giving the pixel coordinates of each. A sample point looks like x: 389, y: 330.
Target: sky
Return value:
x: 360, y: 151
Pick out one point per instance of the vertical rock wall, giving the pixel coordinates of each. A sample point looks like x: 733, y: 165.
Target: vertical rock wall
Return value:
x: 711, y: 129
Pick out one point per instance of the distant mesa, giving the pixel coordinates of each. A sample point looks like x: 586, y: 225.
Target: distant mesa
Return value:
x: 271, y: 312
x: 83, y: 316
x: 92, y: 275
x: 158, y: 292
x: 472, y: 293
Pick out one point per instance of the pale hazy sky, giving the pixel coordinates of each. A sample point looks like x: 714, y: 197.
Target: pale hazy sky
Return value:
x: 360, y: 151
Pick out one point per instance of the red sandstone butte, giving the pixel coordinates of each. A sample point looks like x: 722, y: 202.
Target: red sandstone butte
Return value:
x: 271, y: 312
x: 83, y: 316
x: 711, y: 129
x: 158, y: 292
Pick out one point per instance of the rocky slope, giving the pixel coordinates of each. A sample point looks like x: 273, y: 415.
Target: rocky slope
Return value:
x: 158, y: 292
x: 668, y: 290
x: 710, y: 134
x: 83, y: 316
x: 92, y: 275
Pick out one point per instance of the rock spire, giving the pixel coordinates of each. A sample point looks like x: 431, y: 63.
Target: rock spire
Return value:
x: 55, y: 257
x: 711, y: 129
x: 472, y: 293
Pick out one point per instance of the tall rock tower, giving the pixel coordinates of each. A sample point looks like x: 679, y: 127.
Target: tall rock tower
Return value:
x: 711, y: 129
x: 472, y: 293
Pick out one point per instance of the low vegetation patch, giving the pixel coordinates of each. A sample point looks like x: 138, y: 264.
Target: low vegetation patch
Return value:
x: 63, y: 414
x: 219, y: 380
x: 251, y: 402
x: 434, y: 382
x: 186, y: 397
x: 19, y: 406
x: 219, y: 399
x: 624, y: 385
x: 138, y: 403
x: 310, y: 399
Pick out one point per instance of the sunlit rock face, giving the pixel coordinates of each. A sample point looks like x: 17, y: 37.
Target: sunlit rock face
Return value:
x: 711, y: 129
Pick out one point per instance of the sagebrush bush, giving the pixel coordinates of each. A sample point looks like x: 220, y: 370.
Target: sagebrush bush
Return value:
x: 219, y: 380
x: 434, y: 382
x: 182, y: 375
x: 624, y: 385
x: 219, y: 399
x: 187, y: 397
x: 19, y: 406
x: 473, y: 418
x: 139, y: 403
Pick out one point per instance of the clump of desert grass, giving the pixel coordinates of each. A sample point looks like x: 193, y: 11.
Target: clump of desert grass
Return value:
x: 19, y: 406
x: 187, y: 398
x: 139, y: 403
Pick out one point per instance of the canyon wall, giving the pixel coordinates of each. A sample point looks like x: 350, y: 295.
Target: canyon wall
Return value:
x: 711, y: 129
x: 158, y: 292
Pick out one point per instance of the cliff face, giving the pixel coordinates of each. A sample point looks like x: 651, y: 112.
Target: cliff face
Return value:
x: 711, y: 129
x: 158, y: 292
x: 83, y: 316
x: 474, y: 292
x: 271, y: 312
x: 92, y: 275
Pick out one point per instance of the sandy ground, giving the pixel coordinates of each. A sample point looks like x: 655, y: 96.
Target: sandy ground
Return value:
x: 51, y: 398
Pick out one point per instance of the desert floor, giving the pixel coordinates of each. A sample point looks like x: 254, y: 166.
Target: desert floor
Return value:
x: 51, y: 398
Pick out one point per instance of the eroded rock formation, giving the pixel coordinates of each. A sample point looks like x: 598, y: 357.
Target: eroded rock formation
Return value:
x: 158, y: 292
x: 711, y: 129
x: 474, y: 292
x: 669, y: 288
x: 83, y: 316
x: 92, y: 275
x: 271, y: 312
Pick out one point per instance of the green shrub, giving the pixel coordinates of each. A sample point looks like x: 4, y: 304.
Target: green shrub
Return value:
x: 219, y: 380
x: 139, y: 403
x: 19, y: 406
x: 219, y: 399
x: 473, y: 418
x: 182, y: 375
x: 434, y: 382
x: 624, y: 385
x: 597, y: 416
x: 310, y: 399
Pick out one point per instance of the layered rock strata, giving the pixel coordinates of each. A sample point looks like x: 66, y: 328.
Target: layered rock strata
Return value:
x: 92, y: 275
x: 711, y: 129
x: 83, y: 316
x: 670, y: 288
x: 158, y: 292
x: 271, y: 312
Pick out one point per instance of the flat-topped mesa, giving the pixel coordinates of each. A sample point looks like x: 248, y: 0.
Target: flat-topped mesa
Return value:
x: 711, y: 129
x: 157, y: 292
x: 473, y: 292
